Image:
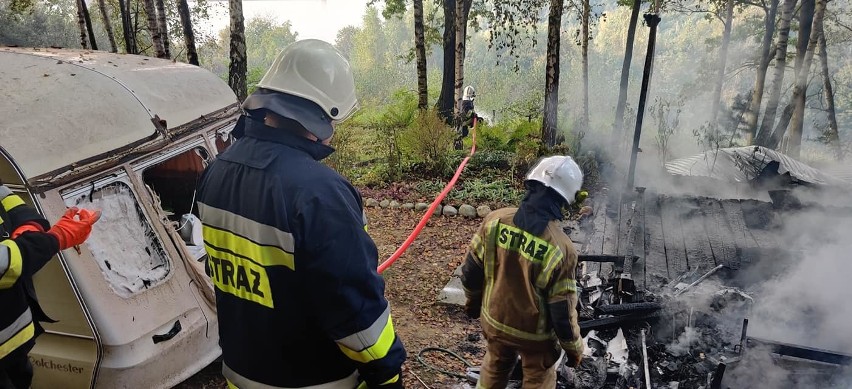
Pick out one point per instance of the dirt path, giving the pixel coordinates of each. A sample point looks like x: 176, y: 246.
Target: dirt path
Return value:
x: 413, y: 284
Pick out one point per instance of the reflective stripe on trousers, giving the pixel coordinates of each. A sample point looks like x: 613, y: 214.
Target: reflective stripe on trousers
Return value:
x: 236, y: 381
x: 17, y: 333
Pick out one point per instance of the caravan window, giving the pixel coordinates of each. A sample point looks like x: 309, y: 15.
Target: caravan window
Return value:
x: 173, y: 183
x: 123, y: 242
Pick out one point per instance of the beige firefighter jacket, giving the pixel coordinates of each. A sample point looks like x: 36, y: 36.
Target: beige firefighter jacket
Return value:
x: 523, y: 283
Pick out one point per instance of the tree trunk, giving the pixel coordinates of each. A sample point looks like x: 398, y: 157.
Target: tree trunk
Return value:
x: 551, y: 82
x: 760, y: 79
x: 81, y: 22
x: 89, y: 29
x: 445, y: 99
x: 806, y: 19
x: 833, y: 134
x: 188, y: 35
x: 239, y: 63
x: 584, y: 46
x: 126, y: 26
x: 769, y: 113
x: 154, y: 28
x: 420, y: 51
x: 723, y: 59
x: 625, y: 71
x: 797, y: 123
x: 163, y: 26
x: 462, y: 11
x: 461, y: 32
x: 134, y: 18
x: 107, y: 26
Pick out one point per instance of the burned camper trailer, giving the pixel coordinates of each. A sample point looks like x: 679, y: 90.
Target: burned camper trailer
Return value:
x: 732, y: 291
x: 739, y: 289
x: 128, y: 135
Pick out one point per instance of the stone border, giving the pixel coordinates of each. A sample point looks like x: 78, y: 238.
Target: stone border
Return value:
x: 465, y: 210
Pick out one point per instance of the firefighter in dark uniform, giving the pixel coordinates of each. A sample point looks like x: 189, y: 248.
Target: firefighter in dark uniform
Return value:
x: 519, y: 275
x: 466, y: 116
x: 28, y: 243
x: 299, y: 300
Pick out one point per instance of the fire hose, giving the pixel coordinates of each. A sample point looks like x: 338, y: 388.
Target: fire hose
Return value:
x: 472, y: 375
x: 429, y: 212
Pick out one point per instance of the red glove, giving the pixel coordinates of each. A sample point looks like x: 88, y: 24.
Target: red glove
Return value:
x: 71, y: 232
x: 28, y: 226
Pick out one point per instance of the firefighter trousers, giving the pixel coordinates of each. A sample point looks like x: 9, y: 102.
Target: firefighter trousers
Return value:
x: 16, y: 371
x: 538, y: 363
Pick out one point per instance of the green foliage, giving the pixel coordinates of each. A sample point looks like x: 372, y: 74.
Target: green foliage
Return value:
x: 428, y: 142
x: 493, y: 189
x: 666, y: 114
x: 346, y: 151
x: 265, y: 38
x: 492, y: 137
x: 39, y: 23
x: 389, y: 124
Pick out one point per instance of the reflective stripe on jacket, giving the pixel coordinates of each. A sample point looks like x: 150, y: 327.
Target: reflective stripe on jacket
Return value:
x: 20, y: 258
x: 524, y: 283
x: 298, y: 297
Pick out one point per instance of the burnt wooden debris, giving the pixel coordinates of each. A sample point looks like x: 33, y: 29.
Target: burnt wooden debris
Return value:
x: 663, y: 237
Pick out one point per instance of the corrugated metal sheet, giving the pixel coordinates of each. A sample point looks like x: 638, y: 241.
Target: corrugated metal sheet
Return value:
x: 742, y: 164
x: 63, y: 106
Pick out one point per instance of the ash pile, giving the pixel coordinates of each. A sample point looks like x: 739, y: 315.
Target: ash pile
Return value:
x: 684, y: 336
x: 692, y: 334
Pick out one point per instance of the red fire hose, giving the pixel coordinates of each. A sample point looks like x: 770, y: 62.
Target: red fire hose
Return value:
x: 398, y: 253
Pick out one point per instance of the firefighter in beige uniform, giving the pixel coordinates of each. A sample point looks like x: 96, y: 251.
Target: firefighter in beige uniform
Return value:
x: 519, y: 275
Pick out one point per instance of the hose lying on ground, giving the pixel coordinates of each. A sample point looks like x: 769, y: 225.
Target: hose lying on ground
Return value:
x: 439, y: 370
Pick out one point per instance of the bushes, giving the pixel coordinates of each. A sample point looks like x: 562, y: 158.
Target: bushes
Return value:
x: 428, y: 144
x: 398, y: 142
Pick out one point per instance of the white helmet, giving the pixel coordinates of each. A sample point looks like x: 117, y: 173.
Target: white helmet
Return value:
x: 313, y: 70
x: 469, y: 93
x: 560, y: 173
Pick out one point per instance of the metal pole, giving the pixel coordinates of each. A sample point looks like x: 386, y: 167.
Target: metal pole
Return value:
x: 716, y: 383
x: 743, y: 338
x: 652, y: 20
x: 645, y: 362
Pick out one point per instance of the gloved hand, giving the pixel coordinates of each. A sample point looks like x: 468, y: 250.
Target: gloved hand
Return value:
x: 573, y: 360
x: 573, y: 352
x: 71, y: 232
x: 580, y: 196
x: 28, y: 226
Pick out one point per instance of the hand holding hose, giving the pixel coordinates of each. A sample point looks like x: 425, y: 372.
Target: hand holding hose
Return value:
x: 71, y: 232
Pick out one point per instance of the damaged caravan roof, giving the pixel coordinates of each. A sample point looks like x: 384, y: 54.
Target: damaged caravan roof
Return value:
x: 743, y: 164
x: 97, y: 103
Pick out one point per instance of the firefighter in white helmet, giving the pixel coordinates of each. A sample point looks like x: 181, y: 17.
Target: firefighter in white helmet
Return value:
x: 519, y: 277
x: 466, y: 115
x: 299, y: 301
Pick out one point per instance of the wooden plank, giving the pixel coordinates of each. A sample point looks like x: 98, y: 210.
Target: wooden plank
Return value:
x: 676, y: 260
x: 719, y: 233
x: 625, y: 225
x: 594, y: 241
x: 655, y: 247
x: 611, y: 232
x: 760, y: 220
x: 734, y: 216
x: 613, y: 214
x: 695, y: 237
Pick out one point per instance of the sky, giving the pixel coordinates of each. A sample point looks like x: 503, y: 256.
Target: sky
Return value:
x: 320, y: 19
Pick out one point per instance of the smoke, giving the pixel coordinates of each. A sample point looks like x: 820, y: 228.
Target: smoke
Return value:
x: 806, y: 305
x: 810, y: 304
